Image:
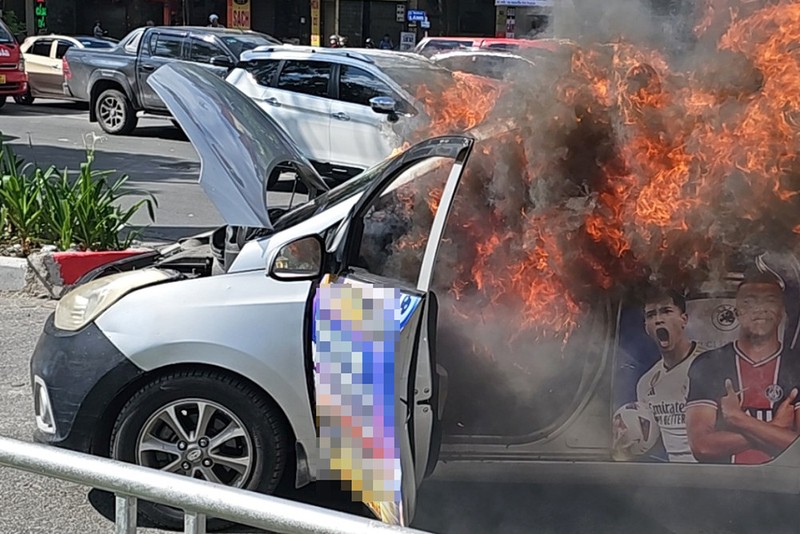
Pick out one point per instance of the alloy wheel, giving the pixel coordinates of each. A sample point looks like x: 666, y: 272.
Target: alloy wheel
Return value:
x: 112, y: 112
x: 197, y: 438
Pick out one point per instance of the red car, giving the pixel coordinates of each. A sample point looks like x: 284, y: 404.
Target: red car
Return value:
x: 13, y: 80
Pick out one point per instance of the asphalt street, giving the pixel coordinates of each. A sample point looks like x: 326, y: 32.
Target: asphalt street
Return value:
x: 158, y: 158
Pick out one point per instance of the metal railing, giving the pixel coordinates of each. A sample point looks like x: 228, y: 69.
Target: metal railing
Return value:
x: 197, y: 498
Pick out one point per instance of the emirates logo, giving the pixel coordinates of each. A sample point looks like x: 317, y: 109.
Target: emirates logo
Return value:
x: 4, y: 53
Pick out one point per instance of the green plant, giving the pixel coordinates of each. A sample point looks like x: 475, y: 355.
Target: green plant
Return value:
x: 51, y: 206
x: 16, y: 26
x: 87, y: 211
x: 19, y: 194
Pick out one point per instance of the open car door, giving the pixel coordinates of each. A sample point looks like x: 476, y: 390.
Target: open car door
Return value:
x: 377, y: 388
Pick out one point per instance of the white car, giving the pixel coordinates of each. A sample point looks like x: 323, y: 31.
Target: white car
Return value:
x: 43, y: 63
x: 324, y: 99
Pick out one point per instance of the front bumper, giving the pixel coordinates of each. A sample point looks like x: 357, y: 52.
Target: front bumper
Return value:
x: 75, y: 377
x: 14, y: 87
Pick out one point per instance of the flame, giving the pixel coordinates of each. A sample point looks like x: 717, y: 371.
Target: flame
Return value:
x: 460, y: 106
x: 630, y: 169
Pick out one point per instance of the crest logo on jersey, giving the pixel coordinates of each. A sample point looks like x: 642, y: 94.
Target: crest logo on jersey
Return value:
x: 724, y: 318
x: 774, y: 393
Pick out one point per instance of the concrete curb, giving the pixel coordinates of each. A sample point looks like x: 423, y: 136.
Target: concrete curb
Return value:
x: 52, y: 274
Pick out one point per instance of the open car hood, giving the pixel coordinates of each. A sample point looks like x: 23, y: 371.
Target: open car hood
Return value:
x: 239, y: 145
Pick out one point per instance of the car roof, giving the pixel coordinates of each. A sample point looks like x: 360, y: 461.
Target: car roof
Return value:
x: 379, y: 58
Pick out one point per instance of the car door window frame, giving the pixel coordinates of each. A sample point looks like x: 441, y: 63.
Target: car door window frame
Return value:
x: 192, y: 39
x: 152, y: 43
x: 54, y: 51
x: 455, y: 147
x: 42, y: 42
x: 402, y: 104
x: 282, y: 66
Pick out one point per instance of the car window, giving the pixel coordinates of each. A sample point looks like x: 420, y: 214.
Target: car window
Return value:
x: 132, y: 46
x: 5, y: 35
x: 41, y: 47
x: 202, y: 51
x: 62, y: 48
x: 358, y: 86
x: 307, y: 77
x: 395, y: 228
x: 165, y: 45
x: 263, y: 71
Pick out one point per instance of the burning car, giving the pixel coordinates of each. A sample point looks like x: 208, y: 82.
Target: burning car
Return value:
x: 616, y: 301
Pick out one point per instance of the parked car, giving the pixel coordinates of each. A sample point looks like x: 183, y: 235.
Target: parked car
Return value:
x: 433, y: 45
x: 13, y: 80
x: 233, y: 377
x: 324, y: 98
x: 44, y: 63
x: 482, y: 62
x: 114, y: 82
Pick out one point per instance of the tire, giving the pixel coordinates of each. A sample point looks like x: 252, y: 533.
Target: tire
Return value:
x: 233, y: 404
x: 115, y: 113
x: 2, y: 101
x: 25, y: 100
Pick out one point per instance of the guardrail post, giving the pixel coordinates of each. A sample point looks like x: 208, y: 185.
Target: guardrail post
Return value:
x: 194, y: 523
x: 125, y: 517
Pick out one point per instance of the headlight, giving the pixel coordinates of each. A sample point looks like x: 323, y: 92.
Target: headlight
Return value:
x: 21, y: 65
x: 83, y: 304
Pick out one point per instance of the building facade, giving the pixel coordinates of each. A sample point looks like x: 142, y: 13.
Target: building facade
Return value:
x: 290, y: 20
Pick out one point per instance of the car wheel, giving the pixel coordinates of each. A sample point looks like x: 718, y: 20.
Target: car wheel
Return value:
x: 206, y: 425
x: 26, y: 99
x: 2, y: 101
x: 115, y: 113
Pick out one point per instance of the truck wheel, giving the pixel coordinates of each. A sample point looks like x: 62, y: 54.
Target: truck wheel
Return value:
x: 25, y: 100
x: 2, y: 101
x: 115, y: 113
x: 207, y: 425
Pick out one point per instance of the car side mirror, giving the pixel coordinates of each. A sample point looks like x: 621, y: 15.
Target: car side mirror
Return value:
x: 300, y: 259
x: 385, y: 105
x: 222, y: 61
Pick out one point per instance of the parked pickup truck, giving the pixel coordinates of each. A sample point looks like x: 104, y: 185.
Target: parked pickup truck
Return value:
x: 114, y: 82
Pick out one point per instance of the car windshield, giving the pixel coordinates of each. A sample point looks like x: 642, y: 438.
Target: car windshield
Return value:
x: 352, y: 187
x: 243, y: 43
x: 5, y: 35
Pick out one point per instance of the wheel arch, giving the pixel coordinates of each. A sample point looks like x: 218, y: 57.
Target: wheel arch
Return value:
x: 101, y: 437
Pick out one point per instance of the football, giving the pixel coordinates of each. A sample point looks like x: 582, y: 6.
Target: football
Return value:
x: 635, y: 431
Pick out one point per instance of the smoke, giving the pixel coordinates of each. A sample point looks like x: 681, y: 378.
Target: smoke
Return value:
x: 654, y: 147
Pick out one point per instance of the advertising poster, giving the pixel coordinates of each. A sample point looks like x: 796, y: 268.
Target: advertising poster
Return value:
x: 239, y: 14
x: 716, y: 367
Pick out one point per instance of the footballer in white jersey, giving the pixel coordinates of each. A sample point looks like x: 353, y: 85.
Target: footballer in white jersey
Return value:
x: 663, y: 390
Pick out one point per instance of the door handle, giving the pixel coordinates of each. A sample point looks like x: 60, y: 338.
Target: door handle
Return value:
x: 55, y: 66
x: 148, y: 67
x: 341, y: 116
x: 272, y: 101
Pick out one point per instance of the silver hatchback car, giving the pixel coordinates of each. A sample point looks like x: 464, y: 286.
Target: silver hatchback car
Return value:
x: 337, y: 343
